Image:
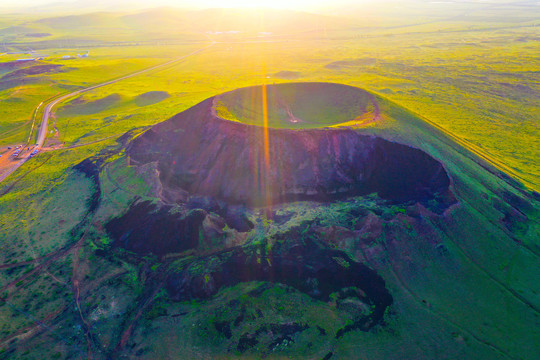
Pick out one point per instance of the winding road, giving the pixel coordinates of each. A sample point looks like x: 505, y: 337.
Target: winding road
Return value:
x: 49, y: 107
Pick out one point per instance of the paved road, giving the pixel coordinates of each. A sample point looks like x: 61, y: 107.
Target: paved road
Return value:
x: 49, y: 107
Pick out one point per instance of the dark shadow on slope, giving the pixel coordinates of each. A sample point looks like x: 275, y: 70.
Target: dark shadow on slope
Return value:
x: 81, y: 107
x: 151, y: 97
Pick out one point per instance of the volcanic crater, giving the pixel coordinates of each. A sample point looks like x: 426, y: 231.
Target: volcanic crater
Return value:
x: 245, y: 147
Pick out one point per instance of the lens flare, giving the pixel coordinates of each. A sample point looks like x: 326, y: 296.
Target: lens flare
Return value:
x: 266, y: 142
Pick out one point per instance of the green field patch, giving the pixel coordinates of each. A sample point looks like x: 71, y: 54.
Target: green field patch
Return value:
x: 31, y: 233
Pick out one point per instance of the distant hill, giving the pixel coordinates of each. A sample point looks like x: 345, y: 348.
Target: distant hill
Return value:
x: 157, y: 18
x: 257, y: 20
x: 168, y: 20
x: 101, y: 19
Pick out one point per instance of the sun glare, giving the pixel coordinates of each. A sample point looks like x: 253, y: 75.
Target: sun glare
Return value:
x: 276, y: 4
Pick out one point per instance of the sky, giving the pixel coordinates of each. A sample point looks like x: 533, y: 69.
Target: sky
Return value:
x: 286, y: 4
x: 316, y: 6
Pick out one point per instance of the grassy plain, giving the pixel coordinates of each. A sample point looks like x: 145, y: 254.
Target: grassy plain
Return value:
x: 484, y: 89
x: 477, y: 79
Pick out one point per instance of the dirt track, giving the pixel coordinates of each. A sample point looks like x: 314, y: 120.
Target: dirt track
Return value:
x: 12, y: 167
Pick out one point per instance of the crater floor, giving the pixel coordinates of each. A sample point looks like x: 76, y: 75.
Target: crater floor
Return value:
x: 297, y: 105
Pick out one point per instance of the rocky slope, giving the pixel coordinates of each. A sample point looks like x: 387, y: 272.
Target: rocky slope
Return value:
x: 199, y: 153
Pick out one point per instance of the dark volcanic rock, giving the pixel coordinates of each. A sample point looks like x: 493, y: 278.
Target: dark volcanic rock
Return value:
x: 307, y: 267
x: 149, y: 228
x: 203, y: 154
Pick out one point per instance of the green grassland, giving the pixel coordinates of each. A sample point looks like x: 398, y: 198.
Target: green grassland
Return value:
x: 485, y: 93
x: 476, y: 79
